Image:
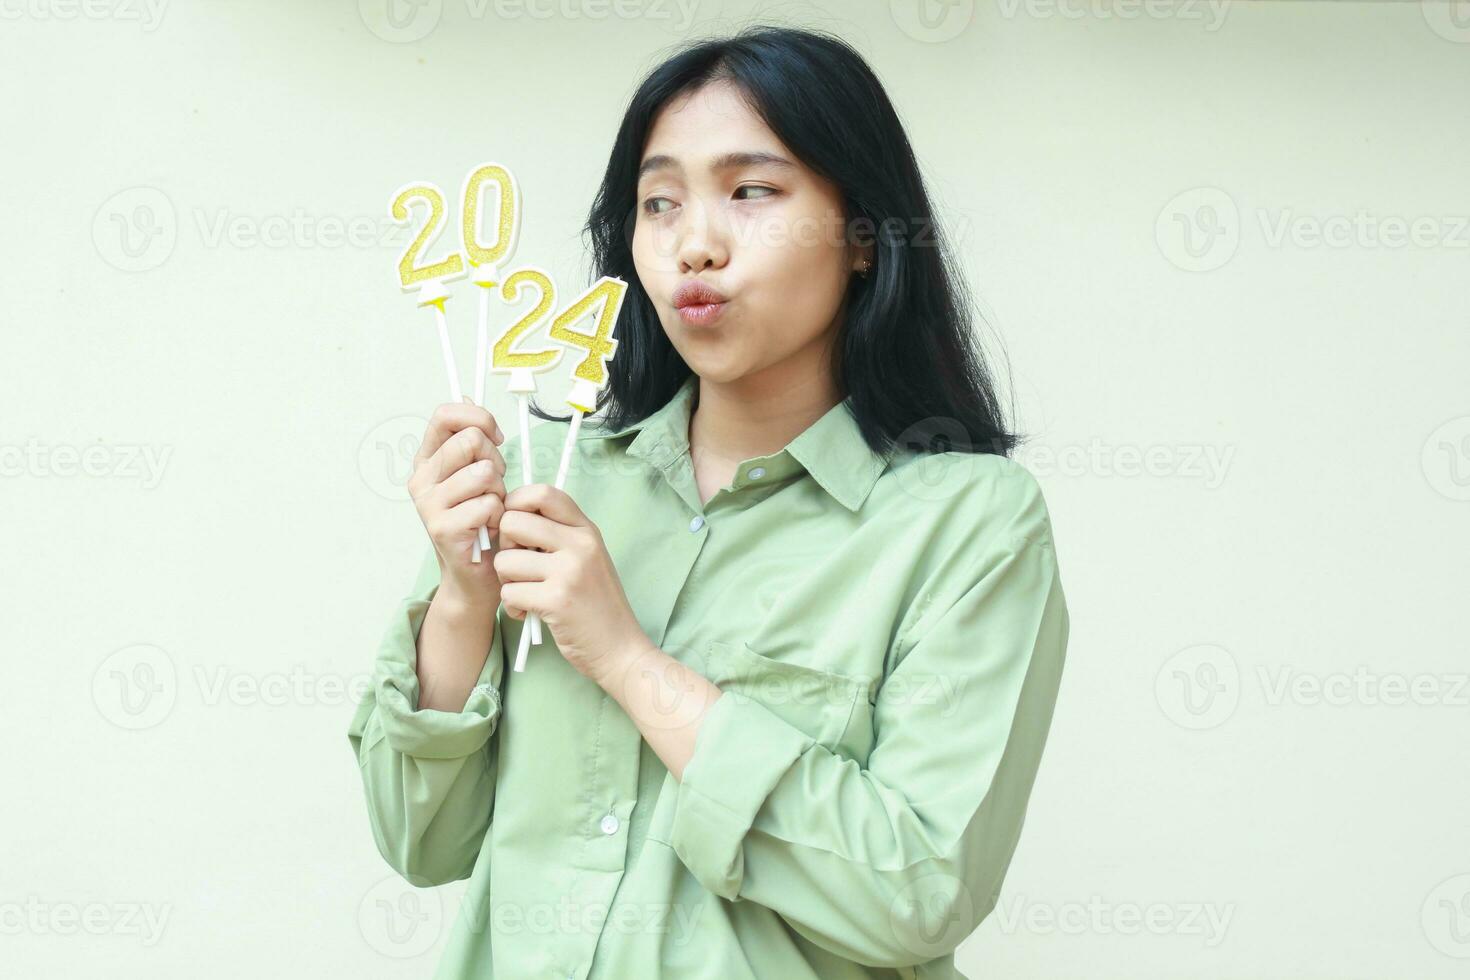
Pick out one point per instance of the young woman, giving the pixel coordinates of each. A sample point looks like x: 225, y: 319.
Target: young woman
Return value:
x: 804, y: 627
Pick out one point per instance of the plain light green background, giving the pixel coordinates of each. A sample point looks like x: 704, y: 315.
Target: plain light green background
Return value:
x: 1256, y: 454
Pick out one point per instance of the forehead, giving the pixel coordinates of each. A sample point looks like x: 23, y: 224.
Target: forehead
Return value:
x: 696, y: 127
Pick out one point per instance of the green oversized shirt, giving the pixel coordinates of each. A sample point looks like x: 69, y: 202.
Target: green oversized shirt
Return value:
x: 889, y: 635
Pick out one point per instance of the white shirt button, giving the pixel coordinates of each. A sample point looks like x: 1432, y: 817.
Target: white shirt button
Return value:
x: 696, y: 524
x: 757, y: 473
x: 610, y: 824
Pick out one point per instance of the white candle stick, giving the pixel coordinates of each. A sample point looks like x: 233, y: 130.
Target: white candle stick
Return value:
x: 482, y: 343
x: 482, y: 346
x: 455, y: 394
x: 533, y: 625
x: 533, y: 621
x: 485, y: 260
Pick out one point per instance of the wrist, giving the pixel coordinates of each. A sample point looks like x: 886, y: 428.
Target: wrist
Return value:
x: 609, y: 670
x: 458, y: 604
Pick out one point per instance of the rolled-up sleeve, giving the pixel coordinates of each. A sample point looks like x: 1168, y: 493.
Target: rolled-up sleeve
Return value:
x: 896, y: 862
x: 429, y: 775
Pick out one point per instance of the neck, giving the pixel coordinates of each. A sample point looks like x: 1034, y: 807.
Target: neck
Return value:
x: 756, y: 415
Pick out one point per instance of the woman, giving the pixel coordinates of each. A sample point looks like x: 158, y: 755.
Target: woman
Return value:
x: 805, y: 623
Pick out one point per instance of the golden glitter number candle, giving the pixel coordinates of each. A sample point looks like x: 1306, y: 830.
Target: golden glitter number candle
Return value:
x: 485, y: 261
x: 411, y: 275
x: 603, y: 300
x: 507, y: 215
x: 428, y: 281
x: 505, y: 359
x: 590, y: 375
x: 523, y: 366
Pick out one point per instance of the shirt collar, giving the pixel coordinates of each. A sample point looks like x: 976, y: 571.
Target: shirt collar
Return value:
x: 832, y: 449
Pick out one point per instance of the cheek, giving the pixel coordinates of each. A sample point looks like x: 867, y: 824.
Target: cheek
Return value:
x: 655, y: 252
x: 799, y: 277
x: 800, y: 244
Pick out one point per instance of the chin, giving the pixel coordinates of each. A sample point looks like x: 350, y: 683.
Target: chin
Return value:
x: 716, y: 370
x: 716, y: 373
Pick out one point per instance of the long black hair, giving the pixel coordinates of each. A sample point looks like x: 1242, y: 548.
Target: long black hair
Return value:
x: 906, y: 354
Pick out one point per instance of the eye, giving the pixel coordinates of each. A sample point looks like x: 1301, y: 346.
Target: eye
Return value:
x: 767, y: 191
x: 650, y: 205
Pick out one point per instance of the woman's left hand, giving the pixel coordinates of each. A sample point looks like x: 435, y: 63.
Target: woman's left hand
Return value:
x: 571, y: 583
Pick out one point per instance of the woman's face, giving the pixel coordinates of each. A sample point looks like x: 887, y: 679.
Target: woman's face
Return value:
x: 721, y: 201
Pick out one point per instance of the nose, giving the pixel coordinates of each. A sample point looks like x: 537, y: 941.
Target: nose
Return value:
x: 703, y: 240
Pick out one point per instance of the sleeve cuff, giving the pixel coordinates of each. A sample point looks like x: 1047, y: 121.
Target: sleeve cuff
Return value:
x: 740, y: 754
x: 427, y: 733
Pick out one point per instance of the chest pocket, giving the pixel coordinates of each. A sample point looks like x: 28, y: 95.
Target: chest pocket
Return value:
x: 834, y: 709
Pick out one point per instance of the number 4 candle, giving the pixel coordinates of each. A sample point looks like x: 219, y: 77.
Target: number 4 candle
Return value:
x: 605, y: 298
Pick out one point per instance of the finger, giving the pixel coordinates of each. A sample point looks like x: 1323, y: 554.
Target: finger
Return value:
x: 459, y: 450
x: 452, y: 417
x: 520, y: 565
x: 467, y: 518
x: 548, y: 501
x: 480, y: 477
x: 523, y: 597
x: 522, y: 529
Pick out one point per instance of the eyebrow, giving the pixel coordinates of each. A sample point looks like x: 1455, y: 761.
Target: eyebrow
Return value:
x: 726, y: 161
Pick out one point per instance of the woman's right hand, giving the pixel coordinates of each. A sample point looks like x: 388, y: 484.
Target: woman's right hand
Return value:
x: 458, y: 487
